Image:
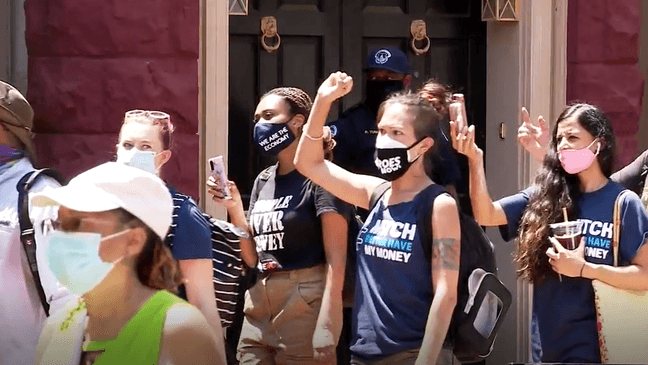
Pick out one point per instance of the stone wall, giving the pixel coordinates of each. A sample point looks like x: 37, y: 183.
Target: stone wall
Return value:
x: 603, y: 57
x: 92, y: 60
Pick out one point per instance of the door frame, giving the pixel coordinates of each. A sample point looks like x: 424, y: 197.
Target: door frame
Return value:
x: 534, y: 50
x: 13, y: 45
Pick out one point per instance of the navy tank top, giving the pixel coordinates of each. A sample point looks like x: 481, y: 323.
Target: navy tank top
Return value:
x: 393, y: 291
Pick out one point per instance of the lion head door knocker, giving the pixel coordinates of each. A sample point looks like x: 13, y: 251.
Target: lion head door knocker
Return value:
x: 419, y: 34
x: 269, y: 32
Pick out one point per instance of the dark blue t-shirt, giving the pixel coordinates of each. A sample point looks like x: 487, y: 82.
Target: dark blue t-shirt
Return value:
x: 285, y: 219
x: 564, y: 311
x: 190, y: 233
x: 393, y: 281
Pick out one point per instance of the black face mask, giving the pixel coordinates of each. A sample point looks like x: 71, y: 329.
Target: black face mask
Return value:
x: 378, y: 91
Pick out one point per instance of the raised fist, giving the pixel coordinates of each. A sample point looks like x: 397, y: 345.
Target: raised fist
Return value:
x: 335, y: 86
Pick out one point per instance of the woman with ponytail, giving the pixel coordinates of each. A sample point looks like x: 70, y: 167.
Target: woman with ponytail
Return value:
x: 573, y: 181
x: 106, y: 246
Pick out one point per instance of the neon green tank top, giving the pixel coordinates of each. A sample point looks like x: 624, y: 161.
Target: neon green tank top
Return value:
x: 138, y: 341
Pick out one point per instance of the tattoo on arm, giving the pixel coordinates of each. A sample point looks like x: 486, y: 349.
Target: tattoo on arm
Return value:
x: 445, y: 251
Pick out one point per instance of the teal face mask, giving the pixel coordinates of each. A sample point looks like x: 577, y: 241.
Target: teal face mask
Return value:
x: 143, y: 160
x: 74, y: 260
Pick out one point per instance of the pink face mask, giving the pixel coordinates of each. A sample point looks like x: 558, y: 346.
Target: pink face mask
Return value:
x: 575, y: 161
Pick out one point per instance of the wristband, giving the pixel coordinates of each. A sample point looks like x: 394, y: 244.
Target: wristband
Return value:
x: 581, y: 271
x: 313, y: 138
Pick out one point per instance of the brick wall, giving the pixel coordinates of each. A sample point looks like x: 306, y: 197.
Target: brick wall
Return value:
x: 92, y: 60
x: 603, y: 56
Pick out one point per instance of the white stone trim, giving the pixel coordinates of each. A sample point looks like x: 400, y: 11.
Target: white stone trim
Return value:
x: 213, y: 92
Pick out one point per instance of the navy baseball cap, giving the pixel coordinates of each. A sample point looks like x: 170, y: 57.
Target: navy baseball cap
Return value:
x: 388, y: 58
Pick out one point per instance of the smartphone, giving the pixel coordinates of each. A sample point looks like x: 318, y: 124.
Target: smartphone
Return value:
x: 217, y: 168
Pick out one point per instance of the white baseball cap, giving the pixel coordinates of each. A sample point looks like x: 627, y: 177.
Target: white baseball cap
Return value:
x: 114, y: 185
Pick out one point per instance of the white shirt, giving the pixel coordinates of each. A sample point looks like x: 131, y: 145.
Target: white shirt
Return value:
x: 21, y: 313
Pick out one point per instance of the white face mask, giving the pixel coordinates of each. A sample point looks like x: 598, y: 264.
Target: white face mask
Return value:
x: 74, y: 260
x: 143, y: 160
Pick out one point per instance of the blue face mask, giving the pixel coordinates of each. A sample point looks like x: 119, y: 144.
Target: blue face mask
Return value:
x: 143, y: 160
x: 272, y: 138
x: 10, y: 154
x: 74, y: 260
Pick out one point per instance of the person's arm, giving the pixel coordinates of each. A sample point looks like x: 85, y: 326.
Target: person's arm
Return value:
x: 187, y: 339
x: 630, y: 176
x: 329, y: 322
x: 353, y: 188
x: 446, y: 251
x: 634, y: 231
x: 234, y: 205
x: 193, y: 249
x: 486, y: 212
x: 199, y: 285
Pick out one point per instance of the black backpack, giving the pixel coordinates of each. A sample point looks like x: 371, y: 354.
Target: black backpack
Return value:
x: 27, y: 236
x: 482, y: 300
x: 226, y: 260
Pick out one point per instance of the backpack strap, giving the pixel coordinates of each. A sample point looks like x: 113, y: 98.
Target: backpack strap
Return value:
x: 424, y: 217
x: 378, y: 193
x: 27, y: 237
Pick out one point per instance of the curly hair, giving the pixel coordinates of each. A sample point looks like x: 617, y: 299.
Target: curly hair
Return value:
x: 559, y: 190
x: 438, y: 95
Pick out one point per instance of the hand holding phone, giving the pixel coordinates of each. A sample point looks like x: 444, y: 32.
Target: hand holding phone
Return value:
x: 218, y: 172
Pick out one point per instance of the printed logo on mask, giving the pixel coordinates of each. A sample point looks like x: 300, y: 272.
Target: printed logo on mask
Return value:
x: 382, y: 56
x: 389, y: 165
x: 275, y: 139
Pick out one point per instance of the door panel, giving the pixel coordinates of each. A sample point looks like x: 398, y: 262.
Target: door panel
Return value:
x: 310, y: 43
x: 321, y: 36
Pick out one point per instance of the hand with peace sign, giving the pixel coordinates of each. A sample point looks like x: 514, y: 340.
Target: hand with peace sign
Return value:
x: 335, y: 86
x: 534, y: 138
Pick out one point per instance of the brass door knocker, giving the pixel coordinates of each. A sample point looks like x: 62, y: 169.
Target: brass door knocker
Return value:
x: 419, y: 33
x: 269, y: 31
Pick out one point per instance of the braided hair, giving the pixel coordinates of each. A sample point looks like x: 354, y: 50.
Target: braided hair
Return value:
x: 297, y: 99
x: 300, y: 103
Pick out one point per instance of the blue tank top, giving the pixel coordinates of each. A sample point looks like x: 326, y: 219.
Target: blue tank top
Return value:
x: 394, y: 279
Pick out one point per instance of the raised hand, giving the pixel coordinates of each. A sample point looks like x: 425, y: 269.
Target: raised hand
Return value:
x: 230, y: 202
x: 463, y: 141
x: 335, y: 86
x: 533, y: 138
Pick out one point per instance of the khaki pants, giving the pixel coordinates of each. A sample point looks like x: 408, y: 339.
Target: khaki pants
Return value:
x: 446, y: 357
x: 281, y: 312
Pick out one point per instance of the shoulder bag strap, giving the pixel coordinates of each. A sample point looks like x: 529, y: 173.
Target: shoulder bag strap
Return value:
x: 617, y: 226
x: 27, y: 237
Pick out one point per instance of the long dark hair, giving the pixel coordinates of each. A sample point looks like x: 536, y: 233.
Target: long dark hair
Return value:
x: 557, y: 190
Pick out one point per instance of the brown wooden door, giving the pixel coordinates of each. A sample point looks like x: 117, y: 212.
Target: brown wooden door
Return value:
x: 309, y: 50
x: 321, y: 36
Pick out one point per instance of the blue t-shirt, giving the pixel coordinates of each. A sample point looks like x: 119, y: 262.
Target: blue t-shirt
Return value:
x: 190, y: 233
x: 564, y: 311
x: 393, y: 282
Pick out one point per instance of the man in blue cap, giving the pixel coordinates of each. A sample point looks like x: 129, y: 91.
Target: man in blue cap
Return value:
x: 355, y: 132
